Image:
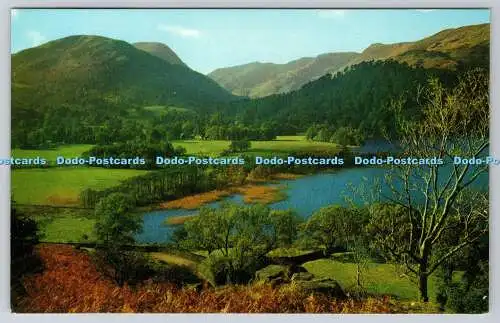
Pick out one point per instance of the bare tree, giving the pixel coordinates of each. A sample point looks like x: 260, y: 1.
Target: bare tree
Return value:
x: 434, y: 202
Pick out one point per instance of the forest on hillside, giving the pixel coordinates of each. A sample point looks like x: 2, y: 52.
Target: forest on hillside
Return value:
x: 358, y: 98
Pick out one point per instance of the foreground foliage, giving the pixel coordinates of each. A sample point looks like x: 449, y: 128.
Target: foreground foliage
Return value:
x: 71, y: 283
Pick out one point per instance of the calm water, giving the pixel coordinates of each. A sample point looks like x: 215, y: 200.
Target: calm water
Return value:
x: 305, y: 195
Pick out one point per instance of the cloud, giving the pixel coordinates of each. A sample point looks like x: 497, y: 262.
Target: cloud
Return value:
x: 331, y: 13
x: 180, y: 31
x: 36, y: 38
x: 425, y: 10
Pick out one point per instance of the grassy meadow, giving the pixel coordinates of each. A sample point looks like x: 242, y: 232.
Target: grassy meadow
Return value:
x: 282, y: 144
x: 69, y: 228
x: 68, y: 151
x: 377, y: 278
x: 62, y: 186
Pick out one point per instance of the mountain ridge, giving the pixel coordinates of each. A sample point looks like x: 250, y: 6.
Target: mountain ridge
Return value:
x: 160, y: 50
x: 80, y: 67
x: 450, y: 48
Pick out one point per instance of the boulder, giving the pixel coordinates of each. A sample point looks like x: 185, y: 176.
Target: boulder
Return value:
x: 302, y: 276
x: 325, y: 286
x: 272, y: 273
x: 293, y: 257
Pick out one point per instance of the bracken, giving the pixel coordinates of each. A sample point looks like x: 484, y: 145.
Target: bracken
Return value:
x: 71, y: 283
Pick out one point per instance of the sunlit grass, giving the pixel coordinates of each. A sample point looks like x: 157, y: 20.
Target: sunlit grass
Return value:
x: 62, y: 186
x: 380, y: 279
x: 67, y: 228
x: 68, y: 151
x: 282, y: 144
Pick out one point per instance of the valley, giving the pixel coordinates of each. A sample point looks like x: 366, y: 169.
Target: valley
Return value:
x: 329, y: 236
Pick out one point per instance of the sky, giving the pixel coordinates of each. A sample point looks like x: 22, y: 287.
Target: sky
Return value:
x: 207, y: 39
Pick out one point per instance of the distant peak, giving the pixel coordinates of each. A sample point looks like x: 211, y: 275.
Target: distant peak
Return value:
x: 160, y: 50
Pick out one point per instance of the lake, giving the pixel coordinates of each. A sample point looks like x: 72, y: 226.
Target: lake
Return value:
x: 305, y: 195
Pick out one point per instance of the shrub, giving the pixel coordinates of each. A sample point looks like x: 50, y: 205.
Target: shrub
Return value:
x: 239, y: 145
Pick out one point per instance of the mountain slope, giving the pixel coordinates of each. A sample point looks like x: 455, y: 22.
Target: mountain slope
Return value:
x: 77, y: 70
x: 359, y: 97
x: 160, y: 50
x: 262, y: 79
x: 449, y: 49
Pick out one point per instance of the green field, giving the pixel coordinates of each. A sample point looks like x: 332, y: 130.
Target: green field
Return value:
x: 283, y: 144
x: 66, y: 228
x: 202, y: 147
x: 62, y: 186
x: 68, y: 151
x: 378, y: 278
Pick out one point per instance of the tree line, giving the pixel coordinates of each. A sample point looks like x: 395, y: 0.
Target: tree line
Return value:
x: 357, y: 98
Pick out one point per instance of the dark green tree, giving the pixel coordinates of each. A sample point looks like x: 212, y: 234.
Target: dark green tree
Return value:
x: 116, y: 225
x: 24, y: 260
x: 334, y: 227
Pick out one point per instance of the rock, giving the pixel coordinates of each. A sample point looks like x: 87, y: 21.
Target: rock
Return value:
x: 293, y: 257
x: 302, y: 276
x: 325, y: 286
x: 272, y: 272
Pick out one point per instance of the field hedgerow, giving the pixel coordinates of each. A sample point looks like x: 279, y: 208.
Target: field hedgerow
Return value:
x: 71, y: 283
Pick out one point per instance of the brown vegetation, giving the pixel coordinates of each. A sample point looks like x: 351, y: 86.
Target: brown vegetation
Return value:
x: 195, y: 201
x: 178, y: 220
x: 251, y: 194
x: 261, y: 194
x: 71, y: 283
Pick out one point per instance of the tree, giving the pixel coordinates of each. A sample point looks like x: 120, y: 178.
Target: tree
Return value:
x: 347, y: 136
x: 241, y: 235
x: 285, y: 224
x: 361, y: 258
x: 323, y: 134
x: 311, y: 132
x: 210, y: 230
x: 239, y: 145
x: 24, y: 259
x: 116, y: 225
x: 434, y: 200
x: 334, y: 227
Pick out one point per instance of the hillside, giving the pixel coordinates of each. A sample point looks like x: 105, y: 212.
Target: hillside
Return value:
x: 358, y: 98
x: 80, y: 69
x: 77, y: 88
x: 160, y: 50
x: 262, y: 79
x: 449, y: 49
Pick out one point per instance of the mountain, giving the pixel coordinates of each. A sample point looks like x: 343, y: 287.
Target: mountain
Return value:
x: 77, y: 70
x: 92, y: 89
x: 160, y: 50
x: 262, y: 79
x: 359, y: 97
x: 449, y: 49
